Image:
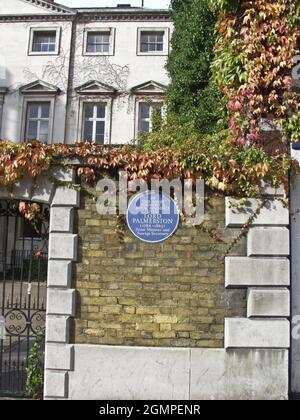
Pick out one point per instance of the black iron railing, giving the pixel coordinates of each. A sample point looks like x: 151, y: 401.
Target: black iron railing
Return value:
x: 23, y: 276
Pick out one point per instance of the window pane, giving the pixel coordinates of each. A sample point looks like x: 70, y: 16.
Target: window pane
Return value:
x: 98, y: 42
x: 44, y: 47
x: 91, y: 39
x: 43, y: 135
x: 105, y: 38
x: 105, y: 48
x: 144, y: 126
x: 33, y: 110
x: 44, y: 128
x: 91, y: 48
x: 88, y: 131
x: 144, y: 111
x: 145, y: 48
x: 145, y: 38
x: 152, y: 41
x: 101, y: 111
x: 100, y: 129
x: 32, y: 133
x: 45, y: 110
x: 44, y: 41
x: 88, y: 111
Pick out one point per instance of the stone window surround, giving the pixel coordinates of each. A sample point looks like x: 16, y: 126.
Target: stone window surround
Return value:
x: 165, y: 51
x: 99, y: 29
x: 34, y: 29
x: 38, y: 98
x: 267, y: 311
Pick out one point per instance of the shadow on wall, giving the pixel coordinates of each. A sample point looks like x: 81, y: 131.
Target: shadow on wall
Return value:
x: 5, y: 82
x: 5, y: 79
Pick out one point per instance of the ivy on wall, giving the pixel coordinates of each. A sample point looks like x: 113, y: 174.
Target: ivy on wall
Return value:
x: 253, y: 64
x: 232, y: 169
x: 229, y: 57
x: 191, y: 94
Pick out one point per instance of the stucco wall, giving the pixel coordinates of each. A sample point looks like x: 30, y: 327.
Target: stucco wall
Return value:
x: 123, y: 70
x: 17, y: 69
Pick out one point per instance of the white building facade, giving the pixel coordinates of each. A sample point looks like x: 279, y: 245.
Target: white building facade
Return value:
x: 70, y: 75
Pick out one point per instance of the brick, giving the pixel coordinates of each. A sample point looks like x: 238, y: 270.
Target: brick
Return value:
x: 129, y: 310
x: 147, y: 326
x: 165, y: 334
x: 164, y: 319
x: 137, y: 294
x: 111, y: 309
x: 165, y: 327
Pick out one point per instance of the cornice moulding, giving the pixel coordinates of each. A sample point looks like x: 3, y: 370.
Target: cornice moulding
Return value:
x: 35, y: 18
x: 49, y: 5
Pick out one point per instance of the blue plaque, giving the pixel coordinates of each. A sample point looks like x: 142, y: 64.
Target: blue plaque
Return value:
x: 152, y: 216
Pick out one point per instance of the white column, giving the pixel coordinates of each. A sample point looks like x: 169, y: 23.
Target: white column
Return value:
x: 295, y: 244
x: 63, y: 246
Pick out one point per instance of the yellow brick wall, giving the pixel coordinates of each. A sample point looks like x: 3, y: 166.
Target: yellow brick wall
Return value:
x: 169, y: 294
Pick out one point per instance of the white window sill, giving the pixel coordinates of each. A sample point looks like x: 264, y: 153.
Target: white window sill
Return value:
x: 153, y: 54
x: 43, y: 53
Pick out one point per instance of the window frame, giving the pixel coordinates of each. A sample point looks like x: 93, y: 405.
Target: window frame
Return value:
x: 38, y: 119
x: 151, y: 101
x: 37, y: 99
x: 166, y: 41
x: 101, y: 99
x: 88, y: 31
x: 94, y: 120
x: 34, y: 30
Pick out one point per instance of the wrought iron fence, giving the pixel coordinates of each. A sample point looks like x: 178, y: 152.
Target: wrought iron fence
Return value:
x: 23, y: 275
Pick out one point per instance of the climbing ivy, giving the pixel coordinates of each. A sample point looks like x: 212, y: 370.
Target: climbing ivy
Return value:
x: 191, y: 95
x: 253, y: 64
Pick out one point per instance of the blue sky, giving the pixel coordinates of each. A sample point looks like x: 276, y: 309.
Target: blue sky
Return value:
x: 156, y: 4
